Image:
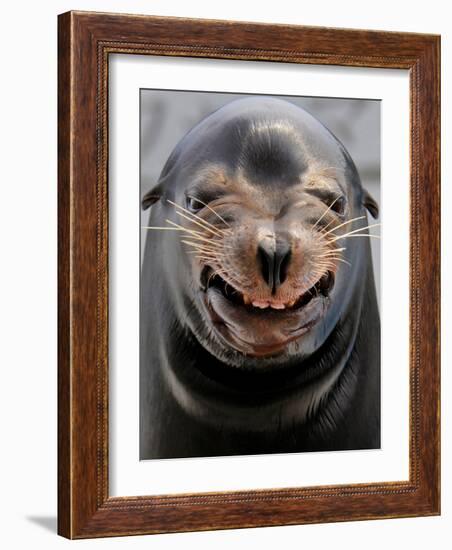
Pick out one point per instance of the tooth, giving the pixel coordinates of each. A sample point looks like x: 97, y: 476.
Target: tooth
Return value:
x: 261, y: 305
x: 290, y: 304
x: 277, y: 306
x: 246, y: 299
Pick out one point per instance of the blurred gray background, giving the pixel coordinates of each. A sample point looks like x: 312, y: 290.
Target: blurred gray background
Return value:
x: 167, y: 115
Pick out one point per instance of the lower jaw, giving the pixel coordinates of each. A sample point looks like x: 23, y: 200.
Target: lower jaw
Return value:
x: 262, y: 350
x: 257, y: 349
x: 263, y: 333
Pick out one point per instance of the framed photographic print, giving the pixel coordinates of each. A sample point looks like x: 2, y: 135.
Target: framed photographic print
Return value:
x: 248, y: 275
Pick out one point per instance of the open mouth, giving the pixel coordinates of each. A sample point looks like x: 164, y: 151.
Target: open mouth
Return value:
x: 321, y: 288
x: 262, y: 327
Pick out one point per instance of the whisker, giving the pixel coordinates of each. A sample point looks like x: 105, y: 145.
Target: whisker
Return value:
x: 205, y: 258
x: 343, y: 261
x: 327, y: 225
x: 214, y: 272
x: 205, y: 255
x: 327, y: 258
x: 208, y: 256
x: 201, y: 247
x: 334, y: 251
x: 204, y: 227
x: 356, y: 231
x: 196, y: 219
x: 336, y: 259
x: 166, y: 228
x: 213, y: 247
x: 233, y: 281
x: 342, y: 224
x: 211, y: 209
x: 204, y: 251
x: 196, y: 234
x: 330, y: 259
x: 326, y: 212
x: 210, y: 278
x: 363, y: 235
x: 324, y: 268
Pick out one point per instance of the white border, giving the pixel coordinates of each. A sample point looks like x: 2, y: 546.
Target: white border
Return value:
x: 129, y: 476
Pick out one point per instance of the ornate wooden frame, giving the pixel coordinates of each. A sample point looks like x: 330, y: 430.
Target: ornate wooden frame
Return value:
x: 84, y: 44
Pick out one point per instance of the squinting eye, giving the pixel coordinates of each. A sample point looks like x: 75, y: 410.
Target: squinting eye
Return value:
x: 193, y: 205
x: 338, y: 205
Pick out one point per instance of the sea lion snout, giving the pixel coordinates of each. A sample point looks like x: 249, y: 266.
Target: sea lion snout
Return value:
x: 268, y: 262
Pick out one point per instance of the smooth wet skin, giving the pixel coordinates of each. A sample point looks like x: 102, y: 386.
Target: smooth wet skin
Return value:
x: 259, y: 324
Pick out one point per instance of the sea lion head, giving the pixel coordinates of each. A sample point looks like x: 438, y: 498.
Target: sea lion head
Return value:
x: 260, y: 200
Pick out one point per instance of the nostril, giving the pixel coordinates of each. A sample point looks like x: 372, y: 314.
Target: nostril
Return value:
x: 274, y: 261
x: 266, y: 258
x: 284, y: 264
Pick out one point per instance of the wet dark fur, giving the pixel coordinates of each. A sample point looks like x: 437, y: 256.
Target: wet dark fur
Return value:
x: 194, y: 404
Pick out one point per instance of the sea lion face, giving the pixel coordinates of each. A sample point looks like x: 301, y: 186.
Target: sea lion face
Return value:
x: 261, y: 195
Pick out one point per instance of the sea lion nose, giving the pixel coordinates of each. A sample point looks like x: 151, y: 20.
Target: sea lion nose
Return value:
x: 274, y: 257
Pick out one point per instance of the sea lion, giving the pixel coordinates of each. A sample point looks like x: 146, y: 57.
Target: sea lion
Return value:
x: 260, y: 330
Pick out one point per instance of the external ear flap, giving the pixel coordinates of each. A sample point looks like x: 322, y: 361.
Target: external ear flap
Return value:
x: 370, y: 203
x: 150, y: 198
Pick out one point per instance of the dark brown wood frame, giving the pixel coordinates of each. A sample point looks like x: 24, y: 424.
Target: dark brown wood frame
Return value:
x: 85, y: 41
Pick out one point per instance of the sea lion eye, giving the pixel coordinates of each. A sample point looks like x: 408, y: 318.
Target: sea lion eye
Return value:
x: 338, y: 205
x: 193, y: 204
